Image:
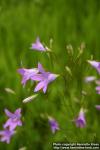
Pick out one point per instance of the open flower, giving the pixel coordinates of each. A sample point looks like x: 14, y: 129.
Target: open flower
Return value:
x: 97, y: 107
x: 53, y: 124
x: 5, y: 135
x: 27, y: 74
x: 95, y: 64
x: 44, y: 79
x: 80, y: 120
x: 14, y: 119
x: 38, y: 45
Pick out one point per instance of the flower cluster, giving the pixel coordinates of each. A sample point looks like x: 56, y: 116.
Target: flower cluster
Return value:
x: 10, y: 125
x: 37, y: 74
x: 43, y: 79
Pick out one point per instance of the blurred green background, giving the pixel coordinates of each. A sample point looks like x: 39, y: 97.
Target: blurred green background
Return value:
x: 65, y: 22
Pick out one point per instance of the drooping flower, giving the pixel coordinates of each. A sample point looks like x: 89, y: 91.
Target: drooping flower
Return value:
x: 44, y: 78
x: 27, y: 74
x: 53, y: 124
x: 98, y: 89
x: 80, y: 121
x: 5, y: 135
x: 89, y: 79
x: 38, y: 45
x: 97, y: 107
x: 14, y: 119
x: 95, y: 64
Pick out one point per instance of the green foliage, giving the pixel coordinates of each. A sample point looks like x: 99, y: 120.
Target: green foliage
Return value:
x: 66, y: 22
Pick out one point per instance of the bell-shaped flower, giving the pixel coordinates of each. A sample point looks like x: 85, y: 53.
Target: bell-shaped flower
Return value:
x: 53, y: 124
x: 38, y: 45
x: 43, y: 78
x: 95, y: 64
x: 5, y: 135
x: 27, y: 74
x: 80, y: 121
x: 14, y: 119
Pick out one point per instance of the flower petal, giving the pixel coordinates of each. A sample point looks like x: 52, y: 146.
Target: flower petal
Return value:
x: 12, y: 126
x: 37, y: 77
x: 39, y: 86
x: 45, y: 88
x: 41, y: 68
x: 8, y: 123
x: 38, y: 45
x: 21, y: 71
x: 18, y: 111
x: 8, y: 113
x: 19, y: 123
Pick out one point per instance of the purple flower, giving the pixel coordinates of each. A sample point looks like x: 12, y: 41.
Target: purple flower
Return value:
x: 96, y: 65
x: 44, y: 79
x: 80, y: 120
x: 98, y: 89
x: 89, y: 79
x: 38, y: 45
x: 97, y: 107
x: 14, y: 119
x: 5, y: 135
x: 27, y: 74
x: 53, y: 124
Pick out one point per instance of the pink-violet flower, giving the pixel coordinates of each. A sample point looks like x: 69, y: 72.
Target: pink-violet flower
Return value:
x: 95, y: 64
x: 97, y: 107
x: 80, y: 121
x: 14, y: 119
x: 38, y: 45
x: 43, y: 78
x: 53, y: 124
x: 89, y: 79
x: 98, y: 89
x: 5, y: 135
x: 27, y: 74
